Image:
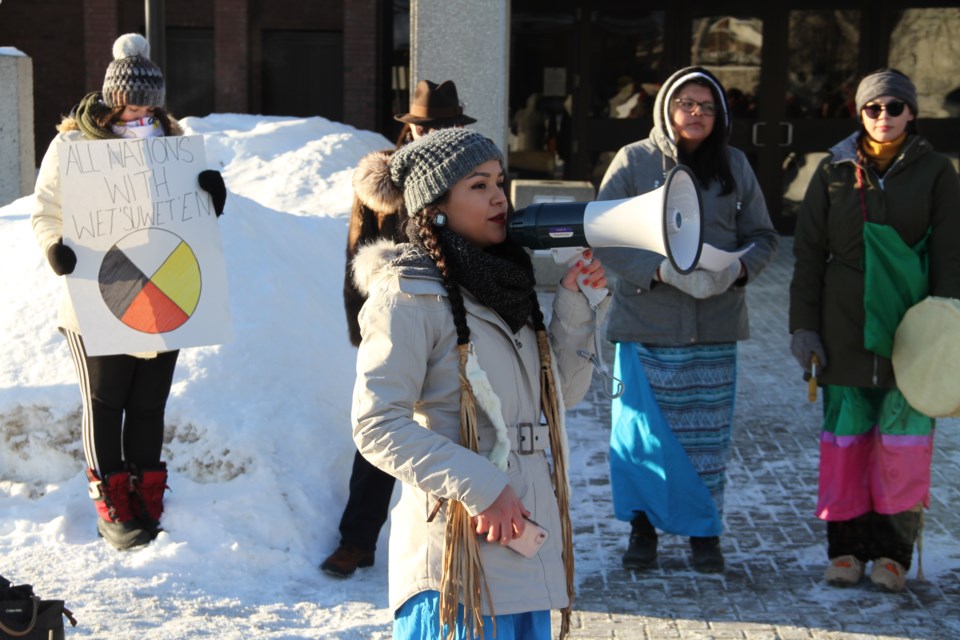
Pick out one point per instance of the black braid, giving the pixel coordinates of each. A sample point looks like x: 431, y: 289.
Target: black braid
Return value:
x: 536, y: 313
x: 427, y: 238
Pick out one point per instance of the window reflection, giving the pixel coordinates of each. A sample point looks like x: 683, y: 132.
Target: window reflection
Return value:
x: 540, y: 136
x: 798, y: 169
x: 822, y: 73
x: 925, y: 45
x: 630, y: 45
x: 731, y: 48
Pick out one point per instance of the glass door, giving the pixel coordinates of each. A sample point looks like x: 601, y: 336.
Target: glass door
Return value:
x: 585, y: 74
x: 925, y: 45
x: 817, y: 110
x: 792, y: 73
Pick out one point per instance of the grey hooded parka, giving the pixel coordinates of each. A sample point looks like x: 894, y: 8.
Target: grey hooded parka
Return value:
x: 647, y: 311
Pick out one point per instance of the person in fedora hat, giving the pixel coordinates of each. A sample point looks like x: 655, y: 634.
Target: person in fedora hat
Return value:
x: 434, y: 106
x: 376, y: 216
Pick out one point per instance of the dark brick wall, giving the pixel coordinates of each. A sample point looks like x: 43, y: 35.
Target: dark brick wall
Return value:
x: 52, y: 34
x: 362, y: 45
x: 70, y: 42
x: 231, y: 19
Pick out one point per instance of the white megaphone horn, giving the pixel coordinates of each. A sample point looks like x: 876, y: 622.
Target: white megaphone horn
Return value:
x: 665, y: 220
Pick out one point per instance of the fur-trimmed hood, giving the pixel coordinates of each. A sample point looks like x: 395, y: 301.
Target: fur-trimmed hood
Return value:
x: 387, y: 256
x: 372, y: 184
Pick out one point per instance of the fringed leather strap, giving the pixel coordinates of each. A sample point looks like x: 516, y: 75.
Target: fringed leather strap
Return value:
x: 551, y: 410
x: 462, y: 565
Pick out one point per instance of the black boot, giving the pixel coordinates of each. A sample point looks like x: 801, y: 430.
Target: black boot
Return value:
x: 116, y: 524
x: 642, y: 551
x: 706, y: 556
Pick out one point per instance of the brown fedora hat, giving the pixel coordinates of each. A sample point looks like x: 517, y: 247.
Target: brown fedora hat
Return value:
x: 435, y: 105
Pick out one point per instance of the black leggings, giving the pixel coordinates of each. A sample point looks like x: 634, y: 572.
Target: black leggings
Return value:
x: 875, y: 535
x: 124, y: 398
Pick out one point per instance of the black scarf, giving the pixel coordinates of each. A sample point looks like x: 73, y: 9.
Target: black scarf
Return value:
x: 500, y: 277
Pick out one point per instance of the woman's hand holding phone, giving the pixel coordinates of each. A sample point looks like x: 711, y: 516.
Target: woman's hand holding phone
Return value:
x: 503, y: 520
x: 529, y: 542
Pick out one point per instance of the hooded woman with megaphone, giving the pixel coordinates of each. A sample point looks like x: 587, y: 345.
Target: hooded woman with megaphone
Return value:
x: 676, y: 334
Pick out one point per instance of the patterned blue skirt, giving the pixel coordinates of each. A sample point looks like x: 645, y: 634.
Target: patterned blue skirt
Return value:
x: 670, y: 434
x: 695, y: 388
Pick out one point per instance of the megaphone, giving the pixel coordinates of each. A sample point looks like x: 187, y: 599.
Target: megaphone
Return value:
x: 665, y: 220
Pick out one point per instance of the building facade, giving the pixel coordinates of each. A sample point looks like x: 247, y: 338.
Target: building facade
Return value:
x: 583, y: 74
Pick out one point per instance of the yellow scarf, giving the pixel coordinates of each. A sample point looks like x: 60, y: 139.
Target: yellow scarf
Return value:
x: 881, y: 154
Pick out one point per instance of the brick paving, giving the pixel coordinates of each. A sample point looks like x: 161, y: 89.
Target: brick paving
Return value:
x: 774, y: 546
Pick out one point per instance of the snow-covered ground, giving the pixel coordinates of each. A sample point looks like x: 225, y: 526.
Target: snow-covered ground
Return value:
x: 257, y: 440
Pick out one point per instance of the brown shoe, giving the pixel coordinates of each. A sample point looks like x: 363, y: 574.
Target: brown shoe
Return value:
x: 344, y: 561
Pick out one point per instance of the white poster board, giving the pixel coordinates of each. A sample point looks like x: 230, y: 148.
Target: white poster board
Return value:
x: 150, y: 273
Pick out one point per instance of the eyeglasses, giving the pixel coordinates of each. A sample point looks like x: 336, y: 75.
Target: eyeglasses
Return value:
x: 706, y: 108
x: 894, y: 108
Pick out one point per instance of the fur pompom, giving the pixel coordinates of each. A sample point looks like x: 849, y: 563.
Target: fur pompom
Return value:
x: 129, y: 45
x: 372, y: 184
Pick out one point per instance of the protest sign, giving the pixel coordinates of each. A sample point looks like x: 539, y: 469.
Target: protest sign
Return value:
x: 150, y: 273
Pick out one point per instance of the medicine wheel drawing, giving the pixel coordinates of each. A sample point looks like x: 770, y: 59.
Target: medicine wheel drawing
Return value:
x: 150, y: 280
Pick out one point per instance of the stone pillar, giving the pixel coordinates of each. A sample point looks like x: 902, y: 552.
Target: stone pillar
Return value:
x: 467, y: 41
x: 18, y: 167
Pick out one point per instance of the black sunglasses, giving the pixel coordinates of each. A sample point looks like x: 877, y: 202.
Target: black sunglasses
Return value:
x: 894, y: 108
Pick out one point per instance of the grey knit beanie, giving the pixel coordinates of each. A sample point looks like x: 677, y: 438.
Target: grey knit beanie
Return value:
x: 132, y: 78
x: 426, y: 168
x: 887, y: 83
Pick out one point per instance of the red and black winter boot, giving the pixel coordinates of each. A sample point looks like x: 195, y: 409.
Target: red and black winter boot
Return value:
x: 146, y: 496
x: 117, y: 523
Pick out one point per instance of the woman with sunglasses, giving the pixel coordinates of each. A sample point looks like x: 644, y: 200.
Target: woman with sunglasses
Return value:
x: 676, y: 334
x: 878, y: 230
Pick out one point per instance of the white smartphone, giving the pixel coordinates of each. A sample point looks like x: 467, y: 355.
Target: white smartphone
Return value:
x: 532, y: 539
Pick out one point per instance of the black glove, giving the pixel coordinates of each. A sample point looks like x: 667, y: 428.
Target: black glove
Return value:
x: 61, y: 258
x: 212, y: 182
x: 805, y: 343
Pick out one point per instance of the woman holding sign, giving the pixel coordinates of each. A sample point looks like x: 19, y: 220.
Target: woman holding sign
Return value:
x: 124, y: 396
x: 877, y: 232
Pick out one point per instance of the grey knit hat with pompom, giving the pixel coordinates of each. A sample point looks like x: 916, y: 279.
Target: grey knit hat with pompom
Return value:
x: 428, y: 167
x: 132, y: 78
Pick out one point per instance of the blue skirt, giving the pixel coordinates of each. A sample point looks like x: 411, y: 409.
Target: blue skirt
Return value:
x: 419, y: 619
x: 670, y: 435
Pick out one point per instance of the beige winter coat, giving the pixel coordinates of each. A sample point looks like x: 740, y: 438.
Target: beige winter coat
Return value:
x: 47, y: 216
x: 406, y: 420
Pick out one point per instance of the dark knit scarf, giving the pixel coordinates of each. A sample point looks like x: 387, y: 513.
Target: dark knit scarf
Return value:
x: 500, y: 277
